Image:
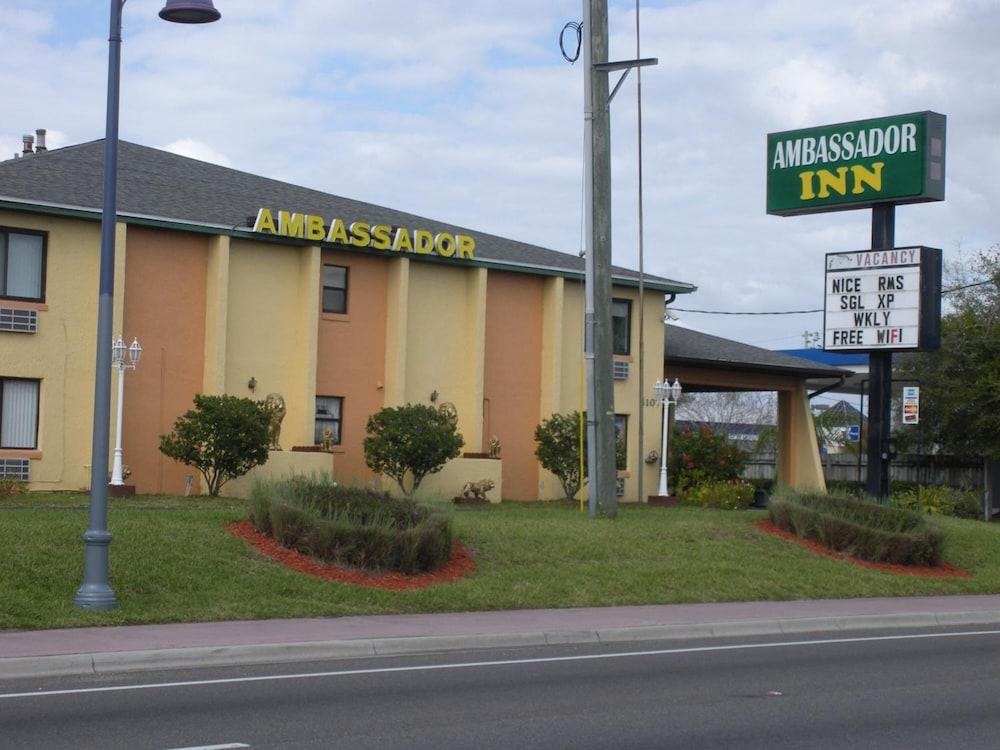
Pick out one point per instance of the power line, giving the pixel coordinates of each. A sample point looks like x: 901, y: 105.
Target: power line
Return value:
x: 721, y: 312
x: 819, y: 310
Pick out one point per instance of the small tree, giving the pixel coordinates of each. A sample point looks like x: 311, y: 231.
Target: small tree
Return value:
x: 223, y: 437
x: 558, y: 450
x: 414, y: 439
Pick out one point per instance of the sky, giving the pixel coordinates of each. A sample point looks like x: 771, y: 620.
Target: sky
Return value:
x: 465, y: 111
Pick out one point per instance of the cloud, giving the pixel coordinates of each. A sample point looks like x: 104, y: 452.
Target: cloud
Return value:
x: 464, y: 110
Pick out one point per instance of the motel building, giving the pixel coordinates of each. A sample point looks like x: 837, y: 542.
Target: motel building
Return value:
x: 238, y: 284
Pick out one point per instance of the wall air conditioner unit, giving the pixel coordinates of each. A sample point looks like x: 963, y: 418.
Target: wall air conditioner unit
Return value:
x: 17, y: 320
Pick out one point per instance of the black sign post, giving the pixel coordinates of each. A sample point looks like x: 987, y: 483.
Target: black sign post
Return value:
x: 880, y: 369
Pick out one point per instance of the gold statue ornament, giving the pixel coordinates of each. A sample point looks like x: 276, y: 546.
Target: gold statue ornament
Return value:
x: 276, y: 406
x: 477, y: 490
x: 494, y: 447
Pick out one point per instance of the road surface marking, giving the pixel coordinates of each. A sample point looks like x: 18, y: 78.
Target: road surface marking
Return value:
x: 498, y: 663
x: 230, y: 746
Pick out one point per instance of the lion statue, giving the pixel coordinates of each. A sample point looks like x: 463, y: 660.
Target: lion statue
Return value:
x: 477, y: 490
x: 275, y: 403
x: 448, y: 410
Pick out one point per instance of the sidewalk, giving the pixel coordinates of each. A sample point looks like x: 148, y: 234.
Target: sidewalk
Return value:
x: 105, y: 650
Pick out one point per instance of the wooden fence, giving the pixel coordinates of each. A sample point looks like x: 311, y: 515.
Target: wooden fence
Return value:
x: 925, y: 470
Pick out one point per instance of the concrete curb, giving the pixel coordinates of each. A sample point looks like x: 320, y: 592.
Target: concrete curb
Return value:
x: 277, y: 653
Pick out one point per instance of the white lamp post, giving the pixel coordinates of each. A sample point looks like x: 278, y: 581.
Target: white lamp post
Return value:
x: 666, y: 394
x: 118, y: 362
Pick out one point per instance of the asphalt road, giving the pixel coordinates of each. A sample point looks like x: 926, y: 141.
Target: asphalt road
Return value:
x: 895, y: 690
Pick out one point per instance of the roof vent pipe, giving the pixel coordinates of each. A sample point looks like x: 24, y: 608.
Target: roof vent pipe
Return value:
x: 28, y: 142
x: 40, y: 140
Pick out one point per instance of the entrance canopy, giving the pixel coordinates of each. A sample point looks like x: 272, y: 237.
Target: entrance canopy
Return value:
x: 702, y: 362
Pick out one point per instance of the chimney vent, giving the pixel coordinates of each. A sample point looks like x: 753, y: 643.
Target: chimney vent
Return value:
x: 40, y: 140
x: 28, y: 142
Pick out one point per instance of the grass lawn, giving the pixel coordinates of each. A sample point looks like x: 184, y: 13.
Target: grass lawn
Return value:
x: 172, y: 561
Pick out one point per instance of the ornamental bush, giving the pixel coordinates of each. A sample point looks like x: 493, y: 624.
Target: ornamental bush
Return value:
x: 700, y: 456
x: 559, y: 441
x: 414, y: 440
x: 731, y: 495
x: 858, y: 528
x: 223, y: 437
x: 351, y: 526
x: 940, y: 500
x: 11, y: 487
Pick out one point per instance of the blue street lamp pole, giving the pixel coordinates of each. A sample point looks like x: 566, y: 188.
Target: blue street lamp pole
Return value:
x: 95, y: 592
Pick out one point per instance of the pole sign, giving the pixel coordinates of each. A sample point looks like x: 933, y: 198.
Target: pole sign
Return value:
x: 883, y: 300
x: 898, y: 159
x: 854, y: 433
x: 911, y: 404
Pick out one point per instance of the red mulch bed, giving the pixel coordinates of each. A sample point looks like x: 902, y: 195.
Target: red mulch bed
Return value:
x: 944, y: 570
x: 458, y: 566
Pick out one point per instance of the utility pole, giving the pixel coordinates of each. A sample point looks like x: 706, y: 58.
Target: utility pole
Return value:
x: 601, y: 469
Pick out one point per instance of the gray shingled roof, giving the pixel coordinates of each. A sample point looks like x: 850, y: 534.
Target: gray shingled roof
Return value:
x: 161, y: 185
x: 682, y: 346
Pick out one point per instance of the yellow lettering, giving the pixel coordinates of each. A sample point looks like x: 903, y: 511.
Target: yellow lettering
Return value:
x: 445, y: 244
x: 361, y: 234
x: 807, y: 186
x: 314, y: 227
x: 466, y: 246
x: 870, y: 177
x: 381, y: 237
x: 828, y: 179
x: 290, y: 224
x: 402, y: 243
x: 423, y: 241
x: 337, y: 233
x: 264, y: 222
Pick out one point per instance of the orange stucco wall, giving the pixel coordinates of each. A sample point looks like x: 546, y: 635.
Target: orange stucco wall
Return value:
x: 165, y: 309
x: 512, y: 387
x: 351, y: 357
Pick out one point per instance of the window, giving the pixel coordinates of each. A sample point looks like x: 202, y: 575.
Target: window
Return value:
x: 22, y: 264
x: 621, y: 326
x: 328, y: 417
x: 334, y: 289
x: 18, y: 413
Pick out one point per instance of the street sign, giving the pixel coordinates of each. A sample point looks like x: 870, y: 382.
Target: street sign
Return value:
x: 898, y: 159
x: 854, y: 433
x: 911, y: 405
x: 883, y: 300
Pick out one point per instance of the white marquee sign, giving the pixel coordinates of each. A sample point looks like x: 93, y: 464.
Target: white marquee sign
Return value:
x: 883, y: 300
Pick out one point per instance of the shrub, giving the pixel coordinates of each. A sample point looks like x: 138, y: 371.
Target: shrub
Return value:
x: 223, y: 437
x: 732, y: 495
x: 414, y: 439
x: 351, y: 526
x: 858, y: 528
x: 700, y: 456
x: 940, y: 499
x: 10, y: 487
x: 558, y: 445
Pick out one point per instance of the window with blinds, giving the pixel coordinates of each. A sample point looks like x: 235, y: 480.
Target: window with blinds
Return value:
x: 18, y: 413
x: 22, y: 265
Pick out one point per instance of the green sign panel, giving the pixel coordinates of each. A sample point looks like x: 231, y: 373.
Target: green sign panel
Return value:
x: 897, y: 159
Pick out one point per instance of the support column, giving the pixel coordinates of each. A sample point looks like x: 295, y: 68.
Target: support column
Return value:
x: 880, y: 363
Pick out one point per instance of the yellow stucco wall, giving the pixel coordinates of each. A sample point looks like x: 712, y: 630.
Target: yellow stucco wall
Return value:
x: 271, y: 329
x: 445, y: 342
x: 61, y: 354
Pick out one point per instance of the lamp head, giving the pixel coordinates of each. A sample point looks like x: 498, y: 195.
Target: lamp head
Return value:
x: 135, y: 352
x: 190, y: 11
x: 117, y: 350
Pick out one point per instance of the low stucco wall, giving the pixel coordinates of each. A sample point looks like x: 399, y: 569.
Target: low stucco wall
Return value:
x: 280, y: 464
x: 448, y: 482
